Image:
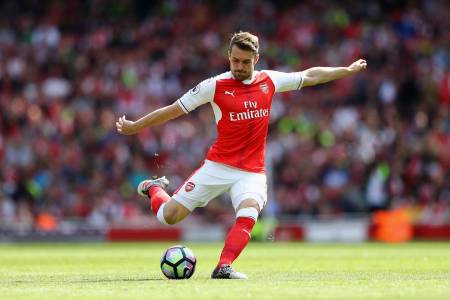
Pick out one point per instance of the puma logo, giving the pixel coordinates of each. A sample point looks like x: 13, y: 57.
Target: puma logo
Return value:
x: 229, y: 93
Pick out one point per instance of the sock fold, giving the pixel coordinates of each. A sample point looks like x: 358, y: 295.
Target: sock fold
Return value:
x: 158, y: 197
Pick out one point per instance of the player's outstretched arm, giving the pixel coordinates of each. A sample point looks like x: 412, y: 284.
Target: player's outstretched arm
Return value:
x: 156, y: 117
x: 318, y: 75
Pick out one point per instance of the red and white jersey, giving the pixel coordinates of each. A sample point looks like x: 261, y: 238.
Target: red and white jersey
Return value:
x: 242, y: 112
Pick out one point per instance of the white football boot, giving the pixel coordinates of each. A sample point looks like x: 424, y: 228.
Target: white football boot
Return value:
x: 145, y: 185
x: 227, y: 272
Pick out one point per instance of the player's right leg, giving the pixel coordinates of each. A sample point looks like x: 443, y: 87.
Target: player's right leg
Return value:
x: 167, y: 210
x: 205, y: 184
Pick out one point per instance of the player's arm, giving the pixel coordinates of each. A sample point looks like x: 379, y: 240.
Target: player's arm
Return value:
x: 156, y: 117
x: 199, y: 95
x: 318, y: 75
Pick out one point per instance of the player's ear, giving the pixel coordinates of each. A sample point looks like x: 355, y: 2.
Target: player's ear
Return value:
x: 256, y: 58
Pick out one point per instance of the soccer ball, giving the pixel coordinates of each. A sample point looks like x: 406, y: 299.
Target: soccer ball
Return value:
x: 178, y: 262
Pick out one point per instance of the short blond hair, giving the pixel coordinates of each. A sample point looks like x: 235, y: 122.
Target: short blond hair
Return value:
x: 245, y: 41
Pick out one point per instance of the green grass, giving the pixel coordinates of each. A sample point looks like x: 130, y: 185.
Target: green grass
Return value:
x: 276, y: 271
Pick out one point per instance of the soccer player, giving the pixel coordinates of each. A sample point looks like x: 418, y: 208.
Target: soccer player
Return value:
x: 241, y: 101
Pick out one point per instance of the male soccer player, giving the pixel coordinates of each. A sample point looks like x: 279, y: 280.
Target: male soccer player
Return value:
x: 241, y: 100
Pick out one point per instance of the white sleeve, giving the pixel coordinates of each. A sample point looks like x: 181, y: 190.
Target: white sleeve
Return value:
x: 285, y: 82
x: 202, y: 93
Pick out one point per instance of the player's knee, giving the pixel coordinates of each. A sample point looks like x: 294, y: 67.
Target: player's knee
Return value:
x: 249, y: 203
x: 249, y: 209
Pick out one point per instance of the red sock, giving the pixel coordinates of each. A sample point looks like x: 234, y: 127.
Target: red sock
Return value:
x: 157, y: 197
x: 236, y: 240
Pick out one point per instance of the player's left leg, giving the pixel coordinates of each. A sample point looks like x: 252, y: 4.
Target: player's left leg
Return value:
x: 236, y: 240
x: 249, y: 196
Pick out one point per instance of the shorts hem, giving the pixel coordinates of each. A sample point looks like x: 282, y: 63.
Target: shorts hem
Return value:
x: 184, y: 202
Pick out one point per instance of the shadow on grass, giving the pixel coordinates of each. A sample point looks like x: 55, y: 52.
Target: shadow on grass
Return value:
x: 115, y: 280
x: 96, y: 280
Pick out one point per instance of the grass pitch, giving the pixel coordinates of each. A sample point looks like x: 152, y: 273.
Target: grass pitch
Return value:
x: 276, y: 271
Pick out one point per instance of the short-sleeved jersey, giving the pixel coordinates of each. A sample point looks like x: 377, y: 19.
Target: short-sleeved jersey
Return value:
x: 242, y: 112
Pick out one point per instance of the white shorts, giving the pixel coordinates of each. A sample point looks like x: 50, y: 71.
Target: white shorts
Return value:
x: 213, y: 179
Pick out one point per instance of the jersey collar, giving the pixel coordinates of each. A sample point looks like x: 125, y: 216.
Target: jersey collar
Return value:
x: 247, y: 81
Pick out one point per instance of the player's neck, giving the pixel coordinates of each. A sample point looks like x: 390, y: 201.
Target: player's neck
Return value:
x: 248, y: 79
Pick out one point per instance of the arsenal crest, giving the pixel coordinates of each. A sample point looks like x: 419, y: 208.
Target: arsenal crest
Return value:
x: 189, y: 186
x: 264, y: 87
x: 195, y: 90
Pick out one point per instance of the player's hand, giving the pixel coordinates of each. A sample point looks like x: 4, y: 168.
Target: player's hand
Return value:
x: 125, y: 126
x: 358, y: 66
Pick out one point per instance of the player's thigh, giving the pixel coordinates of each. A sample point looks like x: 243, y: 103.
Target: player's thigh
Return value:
x: 199, y: 196
x: 250, y: 187
x: 204, y: 185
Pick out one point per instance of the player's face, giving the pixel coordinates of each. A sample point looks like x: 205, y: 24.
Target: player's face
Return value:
x: 242, y: 63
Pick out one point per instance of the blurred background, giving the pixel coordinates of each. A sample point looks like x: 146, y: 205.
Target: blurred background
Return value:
x: 366, y: 157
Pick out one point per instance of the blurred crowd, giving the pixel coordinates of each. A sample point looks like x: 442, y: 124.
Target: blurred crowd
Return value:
x: 68, y: 70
